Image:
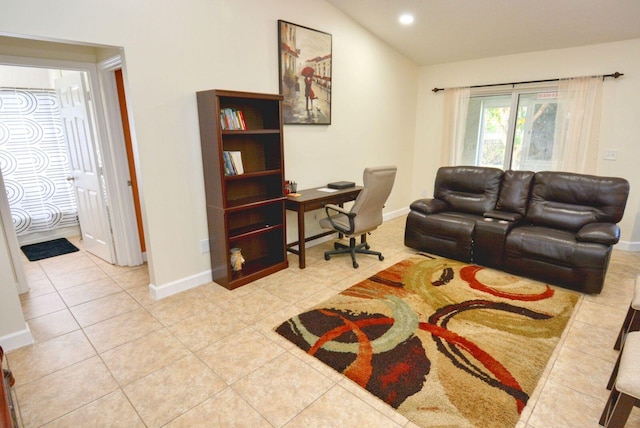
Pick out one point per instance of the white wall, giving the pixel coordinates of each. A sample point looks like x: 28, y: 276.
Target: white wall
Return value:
x: 174, y: 49
x: 620, y: 127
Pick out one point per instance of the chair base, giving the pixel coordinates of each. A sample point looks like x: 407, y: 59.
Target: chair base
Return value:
x: 353, y: 249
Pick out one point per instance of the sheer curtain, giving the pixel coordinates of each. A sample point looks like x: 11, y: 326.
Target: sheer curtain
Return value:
x: 454, y: 122
x: 577, y: 127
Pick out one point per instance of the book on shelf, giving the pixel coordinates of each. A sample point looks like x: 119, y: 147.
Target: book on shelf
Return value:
x: 232, y: 162
x: 232, y: 120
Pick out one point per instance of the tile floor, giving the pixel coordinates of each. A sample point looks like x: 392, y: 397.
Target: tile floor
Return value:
x: 106, y: 354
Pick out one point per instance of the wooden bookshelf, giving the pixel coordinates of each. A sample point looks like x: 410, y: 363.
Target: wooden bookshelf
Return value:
x: 247, y: 210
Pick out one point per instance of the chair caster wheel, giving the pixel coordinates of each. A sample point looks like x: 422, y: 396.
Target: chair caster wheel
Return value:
x: 367, y: 247
x: 381, y: 258
x: 355, y: 265
x: 327, y: 256
x: 336, y: 245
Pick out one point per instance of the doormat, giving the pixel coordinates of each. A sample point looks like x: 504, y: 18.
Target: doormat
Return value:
x: 45, y: 250
x: 443, y: 342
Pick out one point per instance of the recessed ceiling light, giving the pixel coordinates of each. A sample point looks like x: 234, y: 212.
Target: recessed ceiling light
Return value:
x: 406, y: 19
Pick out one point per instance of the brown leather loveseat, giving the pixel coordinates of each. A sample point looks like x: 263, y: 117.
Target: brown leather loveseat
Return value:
x: 556, y: 227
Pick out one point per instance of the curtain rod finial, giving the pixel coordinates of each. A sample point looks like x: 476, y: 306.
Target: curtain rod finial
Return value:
x: 616, y: 75
x: 436, y: 90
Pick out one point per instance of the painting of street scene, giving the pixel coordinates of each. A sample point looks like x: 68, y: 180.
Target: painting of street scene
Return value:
x: 305, y: 74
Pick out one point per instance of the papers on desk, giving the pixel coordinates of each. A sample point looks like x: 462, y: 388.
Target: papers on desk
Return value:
x: 326, y: 189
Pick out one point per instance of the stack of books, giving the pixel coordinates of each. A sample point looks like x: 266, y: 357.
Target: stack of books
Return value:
x: 232, y: 120
x: 232, y: 163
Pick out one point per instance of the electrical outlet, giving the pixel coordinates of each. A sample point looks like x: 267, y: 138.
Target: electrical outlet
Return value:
x: 610, y: 154
x: 204, y: 246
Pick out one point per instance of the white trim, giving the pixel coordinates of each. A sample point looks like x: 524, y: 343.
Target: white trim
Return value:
x: 175, y: 287
x: 17, y: 339
x: 6, y: 222
x: 63, y: 232
x: 124, y: 225
x: 628, y: 246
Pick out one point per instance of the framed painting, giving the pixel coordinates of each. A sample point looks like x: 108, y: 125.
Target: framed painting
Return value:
x: 305, y: 74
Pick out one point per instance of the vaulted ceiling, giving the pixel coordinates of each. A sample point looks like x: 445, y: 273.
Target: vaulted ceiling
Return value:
x: 457, y: 30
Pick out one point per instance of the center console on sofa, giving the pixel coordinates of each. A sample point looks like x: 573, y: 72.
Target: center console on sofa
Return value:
x: 556, y: 227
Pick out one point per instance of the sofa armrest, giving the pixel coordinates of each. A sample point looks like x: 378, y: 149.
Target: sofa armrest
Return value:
x: 601, y: 233
x: 429, y: 206
x: 503, y: 215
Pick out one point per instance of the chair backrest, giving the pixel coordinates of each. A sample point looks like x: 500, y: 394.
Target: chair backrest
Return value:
x: 378, y: 182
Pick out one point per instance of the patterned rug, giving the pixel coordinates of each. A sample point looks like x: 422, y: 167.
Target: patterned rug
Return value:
x: 443, y: 342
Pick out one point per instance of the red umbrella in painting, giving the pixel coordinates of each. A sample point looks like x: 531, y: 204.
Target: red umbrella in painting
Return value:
x: 307, y: 72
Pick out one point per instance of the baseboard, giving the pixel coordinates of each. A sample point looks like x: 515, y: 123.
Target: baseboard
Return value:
x: 36, y: 237
x: 161, y: 291
x: 17, y: 340
x: 628, y: 246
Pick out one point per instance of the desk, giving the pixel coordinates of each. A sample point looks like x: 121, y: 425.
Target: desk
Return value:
x: 310, y: 200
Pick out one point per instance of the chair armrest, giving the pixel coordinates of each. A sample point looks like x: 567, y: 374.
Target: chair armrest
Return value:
x: 340, y: 210
x: 503, y: 215
x: 429, y: 206
x: 601, y: 233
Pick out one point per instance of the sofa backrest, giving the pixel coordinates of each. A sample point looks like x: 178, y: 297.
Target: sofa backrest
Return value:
x: 514, y: 192
x: 470, y: 189
x: 569, y: 201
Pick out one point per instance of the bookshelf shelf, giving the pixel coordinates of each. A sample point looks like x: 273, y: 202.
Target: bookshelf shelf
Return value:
x: 245, y: 203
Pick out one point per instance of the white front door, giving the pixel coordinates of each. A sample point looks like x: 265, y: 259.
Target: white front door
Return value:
x: 84, y: 161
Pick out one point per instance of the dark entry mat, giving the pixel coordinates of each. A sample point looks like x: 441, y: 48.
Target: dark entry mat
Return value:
x: 44, y: 250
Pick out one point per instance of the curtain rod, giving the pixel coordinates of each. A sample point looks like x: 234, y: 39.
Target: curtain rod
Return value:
x: 614, y: 75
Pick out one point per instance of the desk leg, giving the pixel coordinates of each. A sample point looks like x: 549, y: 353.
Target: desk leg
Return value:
x: 301, y: 243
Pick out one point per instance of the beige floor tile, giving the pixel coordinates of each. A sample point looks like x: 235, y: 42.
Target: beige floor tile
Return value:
x: 42, y: 305
x: 339, y: 408
x: 582, y: 372
x: 203, y: 329
x: 131, y: 277
x: 136, y: 359
x: 113, y: 410
x: 227, y: 409
x: 560, y: 406
x: 282, y: 388
x: 601, y: 315
x: 121, y: 329
x: 178, y: 307
x: 104, y: 308
x: 239, y: 354
x: 66, y: 263
x: 172, y: 390
x: 593, y: 340
x: 142, y: 295
x: 89, y: 291
x: 64, y: 391
x: 255, y: 306
x: 52, y: 325
x: 35, y: 361
x: 81, y: 276
x: 292, y: 287
x: 38, y: 287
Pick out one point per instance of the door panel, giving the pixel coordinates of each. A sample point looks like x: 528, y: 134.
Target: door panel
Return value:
x: 84, y: 161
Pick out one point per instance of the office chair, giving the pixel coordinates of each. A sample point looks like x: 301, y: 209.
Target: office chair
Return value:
x: 364, y: 216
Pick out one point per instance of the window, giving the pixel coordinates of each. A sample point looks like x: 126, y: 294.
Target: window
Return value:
x: 511, y: 131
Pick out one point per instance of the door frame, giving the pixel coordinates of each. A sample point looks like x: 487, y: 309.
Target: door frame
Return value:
x: 126, y: 245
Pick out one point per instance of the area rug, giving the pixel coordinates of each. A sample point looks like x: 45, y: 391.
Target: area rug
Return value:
x: 443, y: 342
x: 44, y: 250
